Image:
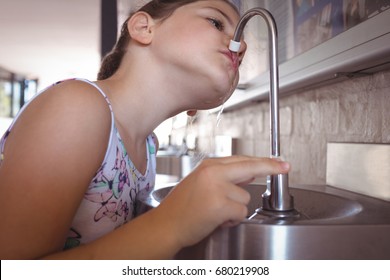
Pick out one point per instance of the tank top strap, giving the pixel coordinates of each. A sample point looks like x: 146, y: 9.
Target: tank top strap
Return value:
x: 113, y: 129
x: 100, y: 90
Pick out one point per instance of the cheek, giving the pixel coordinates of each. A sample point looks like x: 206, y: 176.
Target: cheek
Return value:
x: 182, y: 35
x: 180, y: 49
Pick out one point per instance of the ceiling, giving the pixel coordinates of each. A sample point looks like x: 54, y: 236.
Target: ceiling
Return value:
x: 50, y: 40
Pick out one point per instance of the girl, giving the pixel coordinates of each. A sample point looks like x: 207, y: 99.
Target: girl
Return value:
x: 76, y: 158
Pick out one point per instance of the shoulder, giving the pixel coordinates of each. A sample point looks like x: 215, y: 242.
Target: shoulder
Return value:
x: 54, y: 149
x: 71, y: 114
x: 77, y: 109
x: 72, y: 101
x: 74, y: 91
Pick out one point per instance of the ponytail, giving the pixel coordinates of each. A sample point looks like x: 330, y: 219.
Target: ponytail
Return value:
x: 112, y: 60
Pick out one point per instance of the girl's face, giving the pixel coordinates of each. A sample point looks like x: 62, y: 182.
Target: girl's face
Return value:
x: 193, y: 43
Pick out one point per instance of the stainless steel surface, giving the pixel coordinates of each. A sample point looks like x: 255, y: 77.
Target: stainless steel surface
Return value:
x: 277, y: 197
x: 253, y: 241
x: 168, y: 164
x: 362, y: 168
x: 333, y: 224
x: 178, y: 165
x: 274, y: 69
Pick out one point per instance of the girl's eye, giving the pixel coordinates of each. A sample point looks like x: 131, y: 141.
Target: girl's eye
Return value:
x: 217, y: 23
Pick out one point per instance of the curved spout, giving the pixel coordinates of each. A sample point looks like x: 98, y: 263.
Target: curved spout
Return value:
x: 276, y: 199
x: 274, y: 69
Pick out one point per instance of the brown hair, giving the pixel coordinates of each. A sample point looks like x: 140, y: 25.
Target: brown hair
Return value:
x: 157, y: 9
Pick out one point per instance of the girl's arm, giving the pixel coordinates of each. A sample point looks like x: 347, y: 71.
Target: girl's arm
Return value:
x: 50, y: 156
x: 52, y: 153
x: 208, y: 197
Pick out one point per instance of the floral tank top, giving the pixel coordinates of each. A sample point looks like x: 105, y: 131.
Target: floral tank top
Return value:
x: 110, y: 199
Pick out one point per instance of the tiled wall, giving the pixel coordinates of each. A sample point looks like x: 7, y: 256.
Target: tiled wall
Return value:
x: 355, y: 110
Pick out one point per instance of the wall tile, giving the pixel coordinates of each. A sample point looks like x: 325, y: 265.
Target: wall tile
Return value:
x: 355, y: 110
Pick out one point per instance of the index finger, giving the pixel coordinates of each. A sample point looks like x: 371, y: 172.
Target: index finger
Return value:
x: 244, y: 169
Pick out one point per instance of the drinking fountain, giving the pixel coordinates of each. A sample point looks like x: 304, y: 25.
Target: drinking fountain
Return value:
x: 313, y: 222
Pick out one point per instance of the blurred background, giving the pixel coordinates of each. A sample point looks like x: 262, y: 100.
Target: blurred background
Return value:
x: 43, y: 41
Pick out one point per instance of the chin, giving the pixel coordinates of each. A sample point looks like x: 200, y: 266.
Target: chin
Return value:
x: 222, y: 88
x: 221, y: 99
x: 225, y: 92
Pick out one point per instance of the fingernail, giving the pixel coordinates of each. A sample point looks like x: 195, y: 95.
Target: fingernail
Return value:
x: 285, y: 165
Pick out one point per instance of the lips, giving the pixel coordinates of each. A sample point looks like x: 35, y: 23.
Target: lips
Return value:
x: 233, y: 58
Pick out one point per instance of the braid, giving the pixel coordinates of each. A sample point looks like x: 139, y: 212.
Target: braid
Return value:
x: 112, y: 60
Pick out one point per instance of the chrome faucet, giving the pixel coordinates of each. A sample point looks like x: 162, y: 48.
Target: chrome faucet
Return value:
x: 277, y: 199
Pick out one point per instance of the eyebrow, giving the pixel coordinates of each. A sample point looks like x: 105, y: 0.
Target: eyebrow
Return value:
x: 222, y: 13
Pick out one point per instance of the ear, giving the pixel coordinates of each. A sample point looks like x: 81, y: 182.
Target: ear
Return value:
x: 140, y: 27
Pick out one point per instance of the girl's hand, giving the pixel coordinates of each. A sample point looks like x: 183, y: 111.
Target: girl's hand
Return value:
x: 210, y: 196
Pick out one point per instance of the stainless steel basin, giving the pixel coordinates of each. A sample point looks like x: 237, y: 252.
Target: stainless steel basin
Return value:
x: 333, y: 224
